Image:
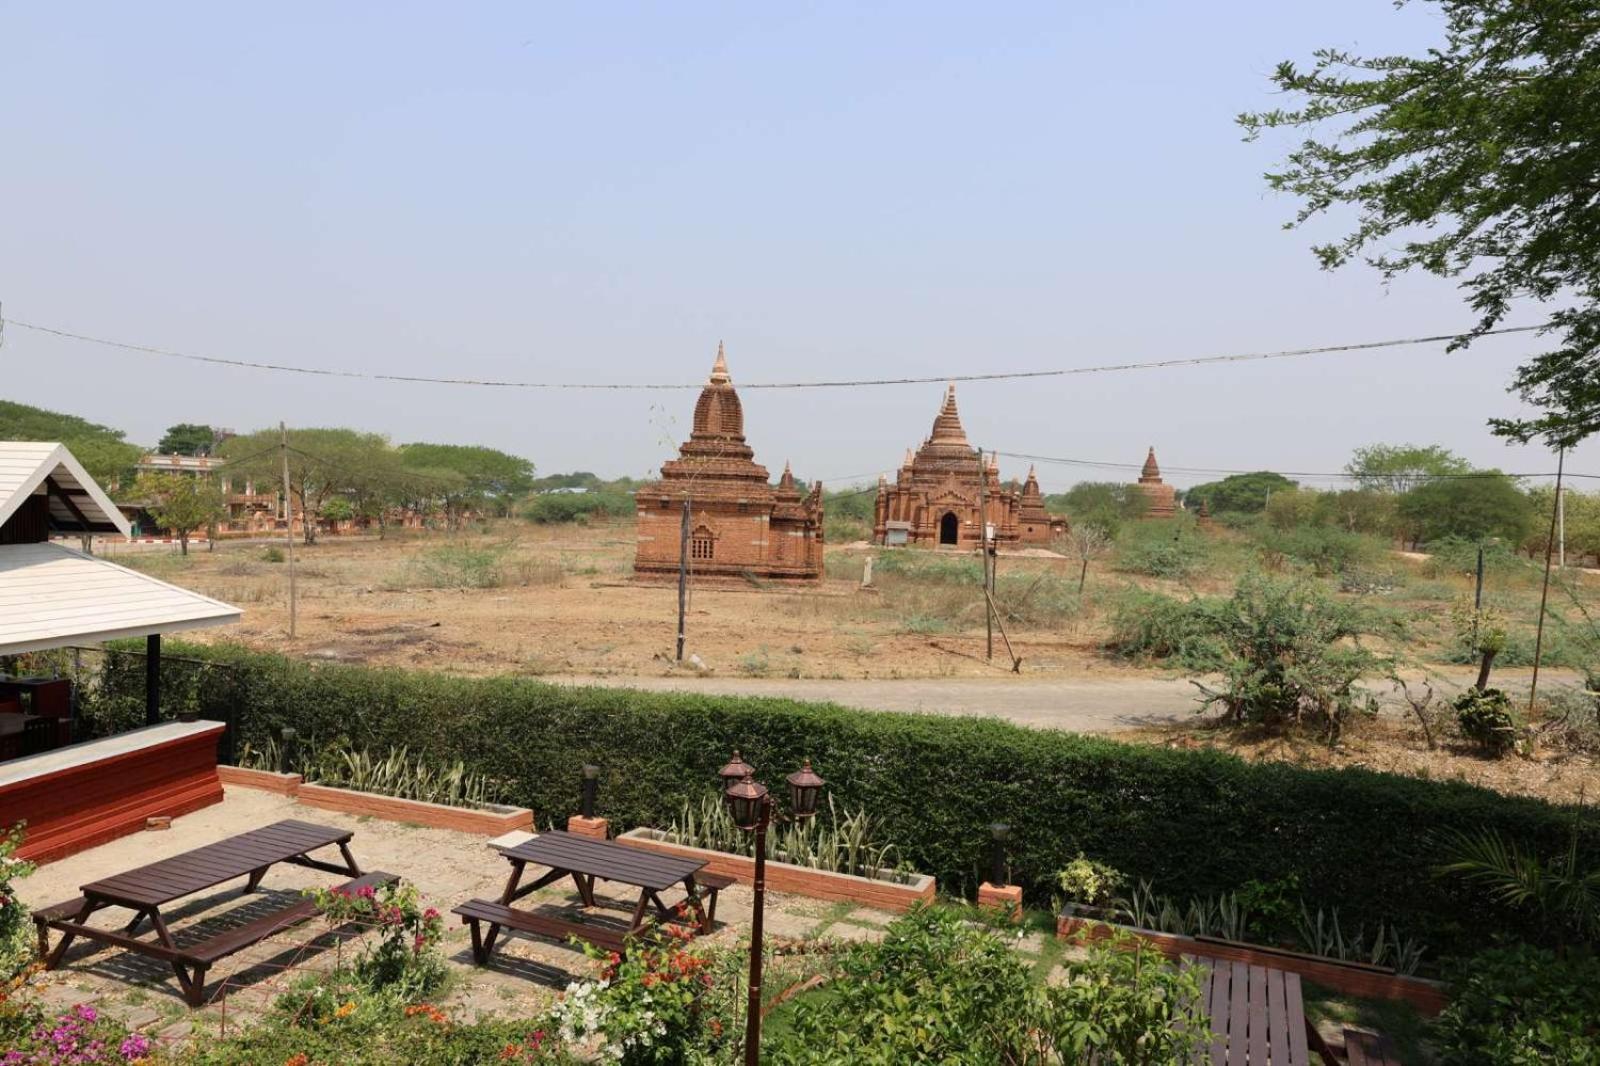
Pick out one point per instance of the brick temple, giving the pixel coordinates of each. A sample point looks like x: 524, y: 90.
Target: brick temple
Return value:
x: 739, y: 523
x: 1160, y: 498
x: 943, y: 487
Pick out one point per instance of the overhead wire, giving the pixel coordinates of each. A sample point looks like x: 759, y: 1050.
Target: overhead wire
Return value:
x: 1010, y: 375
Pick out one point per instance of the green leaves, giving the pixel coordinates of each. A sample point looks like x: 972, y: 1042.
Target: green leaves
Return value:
x: 1475, y: 161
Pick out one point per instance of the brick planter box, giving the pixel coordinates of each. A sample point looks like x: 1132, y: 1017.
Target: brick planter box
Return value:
x: 267, y: 780
x: 800, y: 880
x: 1347, y: 978
x: 490, y: 820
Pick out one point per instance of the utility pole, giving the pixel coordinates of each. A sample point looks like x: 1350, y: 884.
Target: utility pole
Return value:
x: 683, y: 577
x: 288, y: 521
x: 1561, y: 529
x: 1544, y: 594
x: 983, y: 543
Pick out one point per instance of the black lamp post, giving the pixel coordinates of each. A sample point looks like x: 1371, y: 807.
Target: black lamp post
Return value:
x: 999, y: 833
x: 750, y: 805
x: 591, y: 784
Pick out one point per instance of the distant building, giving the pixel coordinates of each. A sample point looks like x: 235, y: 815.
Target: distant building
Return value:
x: 1161, y: 499
x: 739, y: 523
x: 944, y: 487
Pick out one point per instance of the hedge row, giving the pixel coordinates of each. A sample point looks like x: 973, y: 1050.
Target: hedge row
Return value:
x: 1194, y: 823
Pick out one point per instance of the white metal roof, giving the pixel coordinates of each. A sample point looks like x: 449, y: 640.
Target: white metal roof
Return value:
x: 52, y: 595
x: 24, y: 467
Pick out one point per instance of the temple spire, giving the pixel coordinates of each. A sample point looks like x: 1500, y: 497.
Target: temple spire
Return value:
x: 719, y: 369
x: 947, y: 426
x: 1151, y: 474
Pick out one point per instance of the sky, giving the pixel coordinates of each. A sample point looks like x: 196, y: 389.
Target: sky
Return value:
x: 602, y: 193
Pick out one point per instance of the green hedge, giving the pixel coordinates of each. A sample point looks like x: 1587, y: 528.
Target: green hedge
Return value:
x: 1195, y: 823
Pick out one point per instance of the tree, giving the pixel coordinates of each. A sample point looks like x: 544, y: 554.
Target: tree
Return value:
x: 187, y: 438
x: 1103, y: 504
x: 1399, y: 468
x: 492, y: 478
x: 1295, y: 507
x: 322, y: 463
x: 1473, y: 508
x: 1088, y: 542
x: 1240, y: 493
x: 108, y: 458
x: 1476, y: 160
x: 181, y: 503
x: 1358, y: 511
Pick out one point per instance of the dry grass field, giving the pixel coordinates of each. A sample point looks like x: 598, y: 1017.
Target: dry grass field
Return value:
x: 541, y: 600
x: 536, y: 600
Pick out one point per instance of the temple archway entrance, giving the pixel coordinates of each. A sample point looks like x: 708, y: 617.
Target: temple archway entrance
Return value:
x: 949, y: 528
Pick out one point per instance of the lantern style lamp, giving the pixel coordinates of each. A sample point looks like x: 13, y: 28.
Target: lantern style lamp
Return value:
x: 736, y: 771
x: 999, y: 833
x: 804, y: 789
x: 591, y: 784
x: 746, y: 801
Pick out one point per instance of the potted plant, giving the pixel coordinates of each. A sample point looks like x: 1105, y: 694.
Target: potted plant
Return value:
x: 1088, y: 887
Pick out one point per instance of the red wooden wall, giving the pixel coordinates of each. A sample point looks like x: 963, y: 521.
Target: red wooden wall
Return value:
x: 78, y: 807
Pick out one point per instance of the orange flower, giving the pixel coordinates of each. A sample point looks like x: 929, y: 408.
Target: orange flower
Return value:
x: 296, y: 1060
x: 346, y: 1010
x: 510, y: 1051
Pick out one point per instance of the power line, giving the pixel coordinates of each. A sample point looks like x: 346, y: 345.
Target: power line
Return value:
x: 1013, y: 375
x: 1342, y: 476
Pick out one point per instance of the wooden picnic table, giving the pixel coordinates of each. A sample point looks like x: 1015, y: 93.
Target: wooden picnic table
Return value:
x: 147, y: 889
x: 586, y: 860
x: 1257, y: 1015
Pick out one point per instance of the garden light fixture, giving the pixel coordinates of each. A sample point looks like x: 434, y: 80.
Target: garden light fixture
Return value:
x: 736, y: 770
x: 999, y: 834
x: 747, y: 802
x: 591, y: 784
x: 804, y: 788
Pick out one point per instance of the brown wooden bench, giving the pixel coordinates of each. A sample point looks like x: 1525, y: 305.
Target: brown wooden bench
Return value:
x: 1362, y: 1048
x: 709, y: 885
x: 145, y: 890
x: 200, y: 956
x: 479, y: 912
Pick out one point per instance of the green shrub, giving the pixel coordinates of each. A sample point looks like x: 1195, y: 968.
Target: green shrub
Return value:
x: 1083, y: 880
x: 939, y: 989
x: 453, y: 566
x: 1522, y: 1006
x: 1152, y: 625
x: 16, y: 939
x: 1459, y: 556
x: 1326, y: 550
x: 1488, y: 720
x: 1290, y: 653
x: 273, y: 554
x: 1199, y: 823
x: 1170, y: 549
x: 936, y: 989
x: 552, y: 508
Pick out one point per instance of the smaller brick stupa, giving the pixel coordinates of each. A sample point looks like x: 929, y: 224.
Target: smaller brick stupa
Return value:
x: 1161, y: 499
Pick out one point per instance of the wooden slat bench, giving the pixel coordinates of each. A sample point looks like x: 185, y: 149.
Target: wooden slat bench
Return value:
x: 1257, y: 1014
x: 1362, y: 1048
x: 193, y: 960
x: 479, y: 912
x: 145, y: 890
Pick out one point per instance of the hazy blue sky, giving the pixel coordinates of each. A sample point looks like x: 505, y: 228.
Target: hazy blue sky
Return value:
x: 601, y: 192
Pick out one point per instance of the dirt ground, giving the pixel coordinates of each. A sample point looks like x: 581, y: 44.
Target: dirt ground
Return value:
x: 567, y: 604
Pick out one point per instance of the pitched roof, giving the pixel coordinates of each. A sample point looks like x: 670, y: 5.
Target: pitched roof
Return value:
x: 52, y: 595
x: 75, y: 500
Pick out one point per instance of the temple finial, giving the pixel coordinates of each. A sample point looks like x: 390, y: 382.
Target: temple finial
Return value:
x: 719, y: 369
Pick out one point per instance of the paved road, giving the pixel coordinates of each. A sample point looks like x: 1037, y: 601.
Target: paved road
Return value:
x: 1087, y: 705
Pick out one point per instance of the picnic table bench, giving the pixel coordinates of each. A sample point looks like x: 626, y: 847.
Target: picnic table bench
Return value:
x: 1257, y: 1015
x: 146, y: 889
x: 586, y: 860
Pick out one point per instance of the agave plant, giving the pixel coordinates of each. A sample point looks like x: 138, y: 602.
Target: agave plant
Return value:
x: 838, y: 842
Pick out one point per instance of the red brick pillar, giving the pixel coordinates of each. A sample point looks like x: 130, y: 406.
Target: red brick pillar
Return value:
x: 598, y: 828
x: 1006, y: 899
